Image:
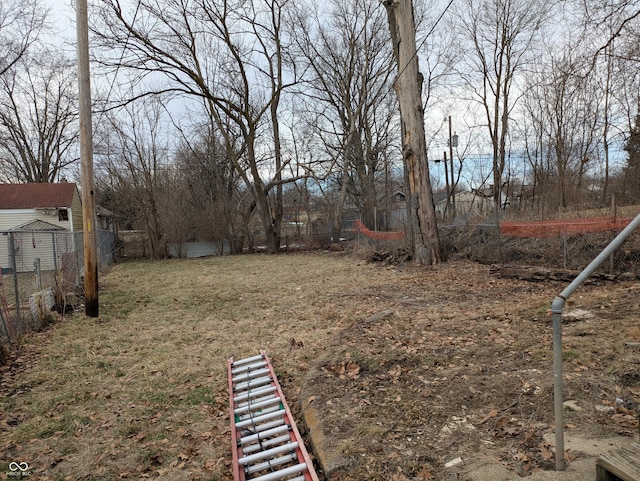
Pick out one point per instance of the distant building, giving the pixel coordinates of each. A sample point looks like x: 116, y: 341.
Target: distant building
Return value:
x: 54, y: 204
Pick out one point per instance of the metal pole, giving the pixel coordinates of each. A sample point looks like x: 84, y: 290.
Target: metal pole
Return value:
x: 614, y: 214
x: 14, y: 268
x: 556, y: 307
x: 86, y: 161
x: 36, y: 266
x: 55, y: 254
x: 557, y: 389
x: 453, y: 193
x: 446, y: 178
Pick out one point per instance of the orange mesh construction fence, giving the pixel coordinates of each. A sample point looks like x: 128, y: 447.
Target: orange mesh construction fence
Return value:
x: 361, y: 228
x: 554, y: 228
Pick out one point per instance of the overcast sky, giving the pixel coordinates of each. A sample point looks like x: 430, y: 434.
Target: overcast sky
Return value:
x: 63, y: 20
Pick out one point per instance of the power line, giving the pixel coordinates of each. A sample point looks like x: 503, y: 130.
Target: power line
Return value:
x: 433, y: 27
x: 119, y: 64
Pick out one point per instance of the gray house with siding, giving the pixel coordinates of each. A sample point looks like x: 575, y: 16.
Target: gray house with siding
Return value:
x: 55, y: 204
x: 38, y: 219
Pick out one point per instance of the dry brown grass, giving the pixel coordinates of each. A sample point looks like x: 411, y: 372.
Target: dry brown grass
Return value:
x: 141, y: 392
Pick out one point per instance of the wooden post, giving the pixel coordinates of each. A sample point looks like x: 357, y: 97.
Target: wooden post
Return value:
x: 421, y: 214
x: 86, y: 161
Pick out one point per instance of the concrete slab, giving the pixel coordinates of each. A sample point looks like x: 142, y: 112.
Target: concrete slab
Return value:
x: 328, y: 456
x: 583, y: 468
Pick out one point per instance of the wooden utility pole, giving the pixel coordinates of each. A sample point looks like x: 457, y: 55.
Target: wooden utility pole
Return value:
x: 421, y: 214
x: 86, y: 161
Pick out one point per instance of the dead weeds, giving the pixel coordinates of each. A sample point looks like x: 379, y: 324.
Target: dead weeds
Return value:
x: 463, y: 368
x: 459, y: 364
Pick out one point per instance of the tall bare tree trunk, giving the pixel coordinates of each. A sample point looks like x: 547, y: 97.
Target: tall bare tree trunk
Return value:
x: 421, y: 213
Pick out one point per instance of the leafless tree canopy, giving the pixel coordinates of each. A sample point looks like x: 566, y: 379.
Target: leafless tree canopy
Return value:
x: 38, y: 118
x: 228, y: 55
x: 263, y: 107
x: 21, y: 23
x: 348, y: 96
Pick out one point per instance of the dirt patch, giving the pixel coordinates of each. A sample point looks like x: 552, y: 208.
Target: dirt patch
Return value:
x: 462, y: 368
x: 414, y: 368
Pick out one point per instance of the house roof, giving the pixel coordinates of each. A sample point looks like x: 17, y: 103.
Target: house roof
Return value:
x: 36, y: 196
x: 38, y: 225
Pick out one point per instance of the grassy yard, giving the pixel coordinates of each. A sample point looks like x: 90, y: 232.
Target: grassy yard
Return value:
x: 141, y: 390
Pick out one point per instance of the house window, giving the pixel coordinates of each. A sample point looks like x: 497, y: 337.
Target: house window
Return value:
x: 63, y: 215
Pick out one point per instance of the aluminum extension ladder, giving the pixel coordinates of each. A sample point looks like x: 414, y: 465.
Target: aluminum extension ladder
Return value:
x: 265, y: 441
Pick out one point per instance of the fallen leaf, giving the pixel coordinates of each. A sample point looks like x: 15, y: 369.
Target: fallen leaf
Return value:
x: 545, y: 451
x: 512, y: 430
x: 425, y: 474
x: 139, y: 437
x: 399, y: 476
x: 493, y: 413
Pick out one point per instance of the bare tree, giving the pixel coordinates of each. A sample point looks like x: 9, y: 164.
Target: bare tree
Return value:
x: 21, y: 23
x: 604, y: 23
x: 38, y: 118
x: 229, y: 54
x: 613, y: 31
x: 348, y: 94
x: 215, y: 205
x: 627, y: 96
x: 632, y: 169
x: 564, y: 114
x: 502, y: 35
x: 135, y: 154
x: 421, y: 215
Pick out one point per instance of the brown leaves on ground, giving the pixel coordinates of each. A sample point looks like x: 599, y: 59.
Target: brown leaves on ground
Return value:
x: 425, y: 474
x: 346, y: 369
x: 627, y: 420
x: 462, y: 366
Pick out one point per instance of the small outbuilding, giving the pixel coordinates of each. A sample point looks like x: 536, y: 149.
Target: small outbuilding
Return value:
x: 56, y: 204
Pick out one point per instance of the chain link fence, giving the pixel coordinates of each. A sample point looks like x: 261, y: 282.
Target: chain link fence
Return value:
x: 41, y: 271
x: 561, y: 245
x: 564, y: 249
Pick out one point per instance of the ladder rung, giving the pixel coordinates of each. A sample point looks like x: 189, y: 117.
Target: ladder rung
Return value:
x: 285, y: 448
x: 248, y: 367
x: 283, y: 473
x: 262, y: 427
x: 252, y: 383
x: 264, y: 434
x: 250, y: 374
x: 258, y: 405
x: 256, y: 468
x: 252, y: 448
x: 266, y: 442
x: 254, y: 394
x: 246, y: 360
x: 260, y: 419
x: 258, y: 400
x: 260, y: 411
